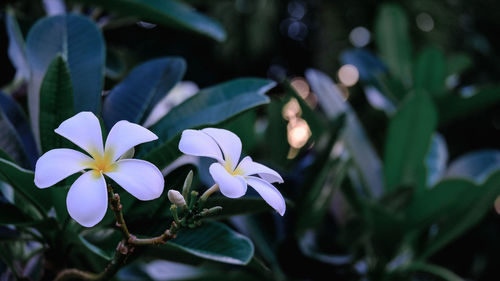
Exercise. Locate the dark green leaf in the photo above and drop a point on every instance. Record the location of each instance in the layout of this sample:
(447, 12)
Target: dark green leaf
(468, 209)
(214, 241)
(208, 107)
(166, 12)
(79, 41)
(430, 71)
(23, 183)
(18, 119)
(408, 139)
(386, 228)
(458, 63)
(453, 107)
(56, 103)
(96, 250)
(393, 40)
(149, 82)
(428, 206)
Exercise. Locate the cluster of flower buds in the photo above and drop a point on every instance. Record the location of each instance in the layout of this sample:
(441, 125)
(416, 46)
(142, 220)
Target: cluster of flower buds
(189, 204)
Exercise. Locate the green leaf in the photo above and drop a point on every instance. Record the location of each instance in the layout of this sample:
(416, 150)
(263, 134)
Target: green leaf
(79, 41)
(56, 103)
(147, 84)
(454, 107)
(213, 241)
(468, 210)
(430, 71)
(23, 183)
(17, 118)
(96, 250)
(429, 206)
(10, 142)
(408, 140)
(393, 40)
(386, 228)
(458, 63)
(170, 13)
(16, 47)
(210, 106)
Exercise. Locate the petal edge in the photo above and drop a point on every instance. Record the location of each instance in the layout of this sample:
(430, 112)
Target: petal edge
(269, 193)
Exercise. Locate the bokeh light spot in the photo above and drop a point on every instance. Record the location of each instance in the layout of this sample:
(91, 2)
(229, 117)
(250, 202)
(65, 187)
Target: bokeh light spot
(425, 22)
(359, 37)
(348, 75)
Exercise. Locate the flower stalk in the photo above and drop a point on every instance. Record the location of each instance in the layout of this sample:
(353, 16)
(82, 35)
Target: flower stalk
(116, 207)
(191, 218)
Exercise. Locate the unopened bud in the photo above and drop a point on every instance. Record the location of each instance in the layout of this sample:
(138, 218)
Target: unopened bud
(211, 211)
(187, 184)
(176, 198)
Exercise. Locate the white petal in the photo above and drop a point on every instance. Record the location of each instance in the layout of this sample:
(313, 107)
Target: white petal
(58, 164)
(83, 130)
(194, 142)
(87, 199)
(125, 135)
(247, 167)
(230, 186)
(139, 178)
(229, 143)
(269, 193)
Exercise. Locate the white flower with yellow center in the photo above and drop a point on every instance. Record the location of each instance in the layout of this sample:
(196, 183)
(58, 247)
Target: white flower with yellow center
(87, 198)
(231, 175)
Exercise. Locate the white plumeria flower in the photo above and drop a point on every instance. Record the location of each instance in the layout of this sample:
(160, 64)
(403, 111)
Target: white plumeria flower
(231, 176)
(87, 198)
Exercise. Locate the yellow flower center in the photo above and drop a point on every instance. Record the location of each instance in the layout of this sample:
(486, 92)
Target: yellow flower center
(103, 163)
(228, 166)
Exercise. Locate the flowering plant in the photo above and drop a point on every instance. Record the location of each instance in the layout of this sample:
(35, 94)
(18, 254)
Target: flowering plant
(112, 167)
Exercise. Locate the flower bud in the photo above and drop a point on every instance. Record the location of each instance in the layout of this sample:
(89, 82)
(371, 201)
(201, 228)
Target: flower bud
(176, 198)
(187, 184)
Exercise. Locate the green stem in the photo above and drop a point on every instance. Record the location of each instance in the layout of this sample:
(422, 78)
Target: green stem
(72, 274)
(169, 234)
